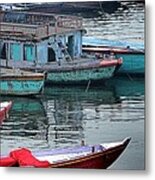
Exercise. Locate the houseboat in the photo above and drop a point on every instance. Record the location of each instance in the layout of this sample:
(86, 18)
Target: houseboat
(53, 44)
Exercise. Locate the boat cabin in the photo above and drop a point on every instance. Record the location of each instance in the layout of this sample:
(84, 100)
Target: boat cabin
(30, 39)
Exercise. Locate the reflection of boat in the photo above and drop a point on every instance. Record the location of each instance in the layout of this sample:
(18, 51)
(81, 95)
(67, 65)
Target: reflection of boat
(126, 86)
(4, 109)
(82, 94)
(133, 60)
(17, 82)
(96, 157)
(27, 114)
(131, 94)
(27, 105)
(65, 121)
(66, 110)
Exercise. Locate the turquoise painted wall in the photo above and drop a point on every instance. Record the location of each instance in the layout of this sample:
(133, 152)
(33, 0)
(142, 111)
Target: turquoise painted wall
(52, 42)
(19, 51)
(42, 52)
(29, 52)
(15, 51)
(24, 51)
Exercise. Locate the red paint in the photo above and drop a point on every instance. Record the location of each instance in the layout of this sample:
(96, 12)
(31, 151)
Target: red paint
(111, 62)
(95, 160)
(4, 111)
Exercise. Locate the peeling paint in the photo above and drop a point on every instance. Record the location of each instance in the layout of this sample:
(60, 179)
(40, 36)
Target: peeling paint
(80, 75)
(16, 87)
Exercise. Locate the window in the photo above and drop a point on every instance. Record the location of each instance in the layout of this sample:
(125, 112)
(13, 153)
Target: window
(29, 52)
(15, 51)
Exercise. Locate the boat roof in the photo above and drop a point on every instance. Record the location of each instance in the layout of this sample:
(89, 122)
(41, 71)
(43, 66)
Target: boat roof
(23, 25)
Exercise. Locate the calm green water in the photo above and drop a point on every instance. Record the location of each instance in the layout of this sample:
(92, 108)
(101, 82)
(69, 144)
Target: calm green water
(65, 116)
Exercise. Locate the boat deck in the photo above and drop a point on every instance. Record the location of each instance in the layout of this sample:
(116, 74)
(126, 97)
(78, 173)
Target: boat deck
(6, 72)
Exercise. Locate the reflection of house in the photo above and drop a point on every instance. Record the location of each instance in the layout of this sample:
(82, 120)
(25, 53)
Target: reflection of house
(33, 38)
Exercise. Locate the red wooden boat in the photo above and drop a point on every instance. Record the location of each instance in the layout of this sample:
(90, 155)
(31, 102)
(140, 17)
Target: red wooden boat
(4, 109)
(95, 157)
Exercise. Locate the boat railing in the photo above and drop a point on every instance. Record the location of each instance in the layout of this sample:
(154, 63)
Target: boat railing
(69, 22)
(17, 29)
(39, 29)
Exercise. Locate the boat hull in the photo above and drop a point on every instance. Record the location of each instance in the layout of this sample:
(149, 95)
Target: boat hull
(82, 74)
(20, 87)
(101, 160)
(21, 83)
(79, 71)
(133, 60)
(132, 64)
(89, 157)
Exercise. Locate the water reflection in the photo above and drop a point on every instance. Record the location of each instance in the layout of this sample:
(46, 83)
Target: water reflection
(64, 121)
(27, 123)
(63, 115)
(65, 108)
(131, 94)
(127, 86)
(69, 108)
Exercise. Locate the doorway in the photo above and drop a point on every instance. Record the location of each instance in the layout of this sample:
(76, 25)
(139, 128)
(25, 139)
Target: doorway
(71, 46)
(51, 55)
(3, 51)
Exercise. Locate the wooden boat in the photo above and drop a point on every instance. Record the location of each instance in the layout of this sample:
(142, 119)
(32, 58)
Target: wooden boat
(133, 60)
(4, 109)
(18, 82)
(83, 71)
(96, 157)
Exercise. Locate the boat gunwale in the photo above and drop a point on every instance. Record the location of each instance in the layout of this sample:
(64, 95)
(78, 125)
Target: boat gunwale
(18, 78)
(93, 155)
(115, 150)
(114, 50)
(78, 67)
